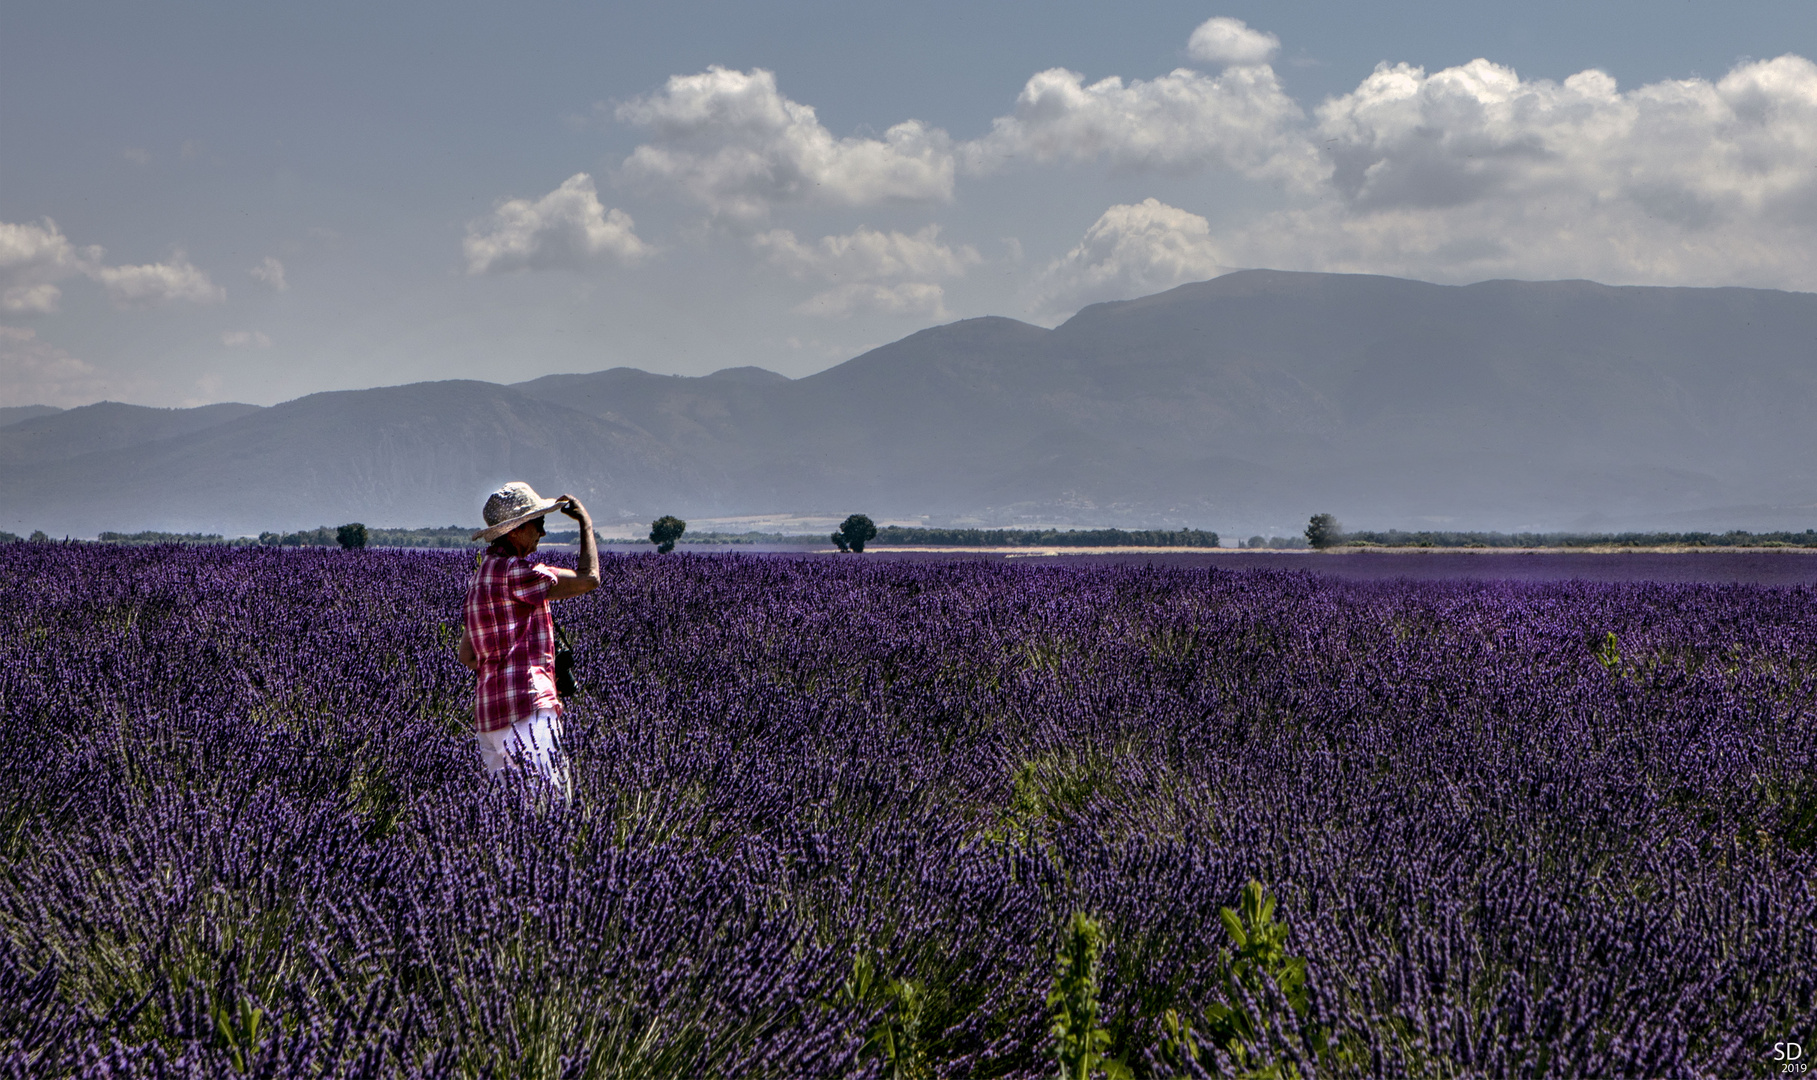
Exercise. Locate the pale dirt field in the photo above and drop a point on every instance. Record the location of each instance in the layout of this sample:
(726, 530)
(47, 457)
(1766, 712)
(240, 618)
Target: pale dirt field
(1777, 567)
(1054, 551)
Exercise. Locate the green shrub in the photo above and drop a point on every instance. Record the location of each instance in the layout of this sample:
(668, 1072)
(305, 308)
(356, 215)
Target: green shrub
(1080, 1041)
(854, 532)
(1323, 531)
(664, 531)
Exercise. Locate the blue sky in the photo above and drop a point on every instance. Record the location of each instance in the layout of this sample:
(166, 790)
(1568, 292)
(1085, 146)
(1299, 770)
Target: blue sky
(210, 201)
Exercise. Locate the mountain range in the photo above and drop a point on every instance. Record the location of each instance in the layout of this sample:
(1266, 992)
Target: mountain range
(1242, 404)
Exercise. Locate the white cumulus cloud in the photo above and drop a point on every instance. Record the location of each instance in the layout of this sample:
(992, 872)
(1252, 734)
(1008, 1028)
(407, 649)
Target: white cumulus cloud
(731, 141)
(568, 227)
(1131, 250)
(1240, 120)
(157, 283)
(1458, 174)
(1685, 150)
(862, 262)
(35, 257)
(245, 339)
(866, 254)
(271, 272)
(920, 299)
(1474, 172)
(38, 297)
(34, 372)
(1225, 40)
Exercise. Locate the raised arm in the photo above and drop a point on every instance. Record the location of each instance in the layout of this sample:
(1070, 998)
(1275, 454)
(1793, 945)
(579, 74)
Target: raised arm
(585, 578)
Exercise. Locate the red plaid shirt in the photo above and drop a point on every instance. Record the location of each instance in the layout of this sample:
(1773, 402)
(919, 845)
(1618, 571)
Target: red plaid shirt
(509, 627)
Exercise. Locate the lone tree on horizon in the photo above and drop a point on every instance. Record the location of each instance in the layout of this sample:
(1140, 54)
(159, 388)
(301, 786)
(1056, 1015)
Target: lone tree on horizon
(1323, 531)
(352, 537)
(664, 531)
(854, 532)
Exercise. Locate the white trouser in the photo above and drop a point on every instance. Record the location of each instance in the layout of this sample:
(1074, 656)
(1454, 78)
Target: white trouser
(536, 742)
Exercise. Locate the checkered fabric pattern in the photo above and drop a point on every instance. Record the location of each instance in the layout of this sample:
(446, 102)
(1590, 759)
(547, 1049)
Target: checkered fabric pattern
(509, 626)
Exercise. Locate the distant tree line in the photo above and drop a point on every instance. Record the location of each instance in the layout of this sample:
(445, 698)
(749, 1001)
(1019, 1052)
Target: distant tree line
(1183, 538)
(353, 536)
(1321, 533)
(1733, 538)
(857, 531)
(151, 537)
(446, 536)
(1324, 531)
(747, 538)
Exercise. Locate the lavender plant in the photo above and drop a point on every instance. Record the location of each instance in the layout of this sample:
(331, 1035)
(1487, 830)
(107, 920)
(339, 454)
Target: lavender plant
(243, 831)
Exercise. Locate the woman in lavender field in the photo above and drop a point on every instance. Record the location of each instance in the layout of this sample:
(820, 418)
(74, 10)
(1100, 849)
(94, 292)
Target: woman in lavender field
(508, 635)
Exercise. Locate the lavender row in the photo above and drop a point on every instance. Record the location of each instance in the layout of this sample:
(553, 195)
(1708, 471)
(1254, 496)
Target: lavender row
(835, 817)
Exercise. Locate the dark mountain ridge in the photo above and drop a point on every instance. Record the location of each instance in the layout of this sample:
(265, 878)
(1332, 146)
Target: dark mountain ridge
(1243, 404)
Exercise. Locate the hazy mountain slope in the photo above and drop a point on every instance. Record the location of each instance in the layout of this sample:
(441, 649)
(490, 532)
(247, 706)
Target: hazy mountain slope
(700, 412)
(1242, 404)
(419, 454)
(920, 421)
(1253, 396)
(1505, 364)
(1502, 397)
(106, 425)
(1390, 399)
(12, 414)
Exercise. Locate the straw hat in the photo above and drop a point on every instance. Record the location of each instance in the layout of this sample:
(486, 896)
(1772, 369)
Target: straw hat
(511, 506)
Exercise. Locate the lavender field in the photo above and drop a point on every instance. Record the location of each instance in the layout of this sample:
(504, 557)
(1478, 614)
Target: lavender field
(848, 817)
